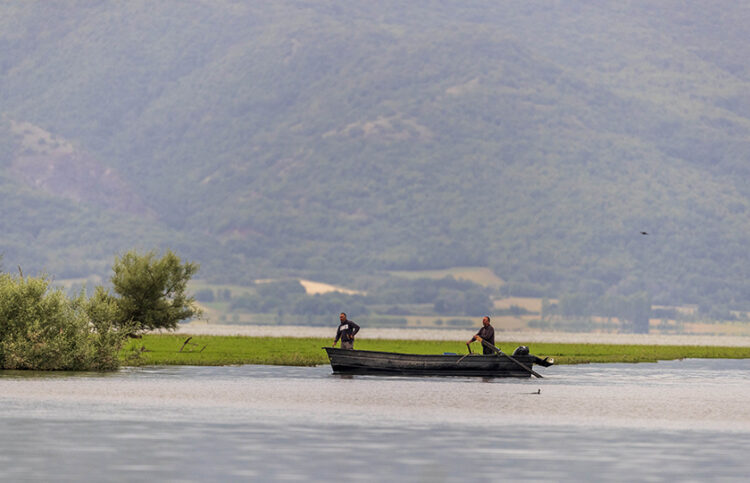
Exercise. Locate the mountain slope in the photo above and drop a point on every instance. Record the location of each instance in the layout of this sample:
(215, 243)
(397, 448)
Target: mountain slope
(536, 139)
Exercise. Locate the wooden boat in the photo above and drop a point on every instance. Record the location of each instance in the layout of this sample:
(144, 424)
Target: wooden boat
(349, 361)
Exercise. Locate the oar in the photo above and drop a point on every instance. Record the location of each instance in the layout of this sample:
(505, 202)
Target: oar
(464, 357)
(501, 353)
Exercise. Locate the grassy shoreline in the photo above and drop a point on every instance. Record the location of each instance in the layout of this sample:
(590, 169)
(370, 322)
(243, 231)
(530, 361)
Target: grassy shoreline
(214, 350)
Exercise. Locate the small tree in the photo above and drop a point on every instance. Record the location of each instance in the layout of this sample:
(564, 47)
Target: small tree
(151, 290)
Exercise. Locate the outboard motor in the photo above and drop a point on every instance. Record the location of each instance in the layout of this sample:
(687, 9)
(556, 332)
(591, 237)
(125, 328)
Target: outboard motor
(521, 350)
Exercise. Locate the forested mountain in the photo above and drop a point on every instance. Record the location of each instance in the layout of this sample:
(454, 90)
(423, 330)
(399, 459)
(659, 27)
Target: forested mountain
(536, 138)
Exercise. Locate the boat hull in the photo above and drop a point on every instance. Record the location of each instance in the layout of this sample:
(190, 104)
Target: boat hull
(348, 361)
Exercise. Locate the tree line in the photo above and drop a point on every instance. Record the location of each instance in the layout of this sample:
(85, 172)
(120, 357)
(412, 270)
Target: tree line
(633, 311)
(446, 296)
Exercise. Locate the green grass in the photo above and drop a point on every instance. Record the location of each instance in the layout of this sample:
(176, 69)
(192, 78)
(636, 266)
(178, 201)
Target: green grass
(226, 350)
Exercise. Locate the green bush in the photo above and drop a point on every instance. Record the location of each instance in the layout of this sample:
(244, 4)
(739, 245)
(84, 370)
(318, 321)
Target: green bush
(151, 291)
(43, 329)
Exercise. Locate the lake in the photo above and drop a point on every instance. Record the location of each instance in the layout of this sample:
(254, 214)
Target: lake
(683, 420)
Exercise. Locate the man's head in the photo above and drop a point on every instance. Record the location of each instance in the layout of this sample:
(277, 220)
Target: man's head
(486, 321)
(342, 317)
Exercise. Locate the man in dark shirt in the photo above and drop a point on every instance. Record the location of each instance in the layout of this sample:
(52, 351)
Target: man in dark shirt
(346, 332)
(486, 333)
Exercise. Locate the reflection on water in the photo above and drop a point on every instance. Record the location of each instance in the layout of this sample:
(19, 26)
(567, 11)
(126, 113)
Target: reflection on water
(681, 420)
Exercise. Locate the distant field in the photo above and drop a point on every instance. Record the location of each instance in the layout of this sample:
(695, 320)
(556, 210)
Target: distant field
(418, 316)
(197, 284)
(529, 303)
(313, 288)
(717, 328)
(479, 275)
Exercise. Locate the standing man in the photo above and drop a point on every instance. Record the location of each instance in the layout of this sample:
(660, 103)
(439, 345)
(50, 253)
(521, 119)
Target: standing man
(346, 332)
(486, 333)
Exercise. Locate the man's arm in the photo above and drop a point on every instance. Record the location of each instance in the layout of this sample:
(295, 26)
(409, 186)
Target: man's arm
(355, 328)
(476, 337)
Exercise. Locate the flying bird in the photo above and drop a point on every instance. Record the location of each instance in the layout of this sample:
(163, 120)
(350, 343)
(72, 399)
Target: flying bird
(644, 233)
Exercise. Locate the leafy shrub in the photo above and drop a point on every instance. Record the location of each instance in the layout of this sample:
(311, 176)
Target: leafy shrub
(42, 329)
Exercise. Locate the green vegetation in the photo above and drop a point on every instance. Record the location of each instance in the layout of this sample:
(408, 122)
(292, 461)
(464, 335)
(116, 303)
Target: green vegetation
(151, 291)
(42, 329)
(172, 349)
(634, 310)
(423, 300)
(386, 303)
(479, 275)
(341, 142)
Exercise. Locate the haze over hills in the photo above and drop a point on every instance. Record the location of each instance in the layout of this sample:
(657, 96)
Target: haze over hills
(313, 137)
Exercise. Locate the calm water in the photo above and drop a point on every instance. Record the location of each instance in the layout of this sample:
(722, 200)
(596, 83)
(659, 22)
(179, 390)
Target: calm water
(683, 420)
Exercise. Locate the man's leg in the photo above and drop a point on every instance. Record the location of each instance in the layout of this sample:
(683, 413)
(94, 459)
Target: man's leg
(347, 344)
